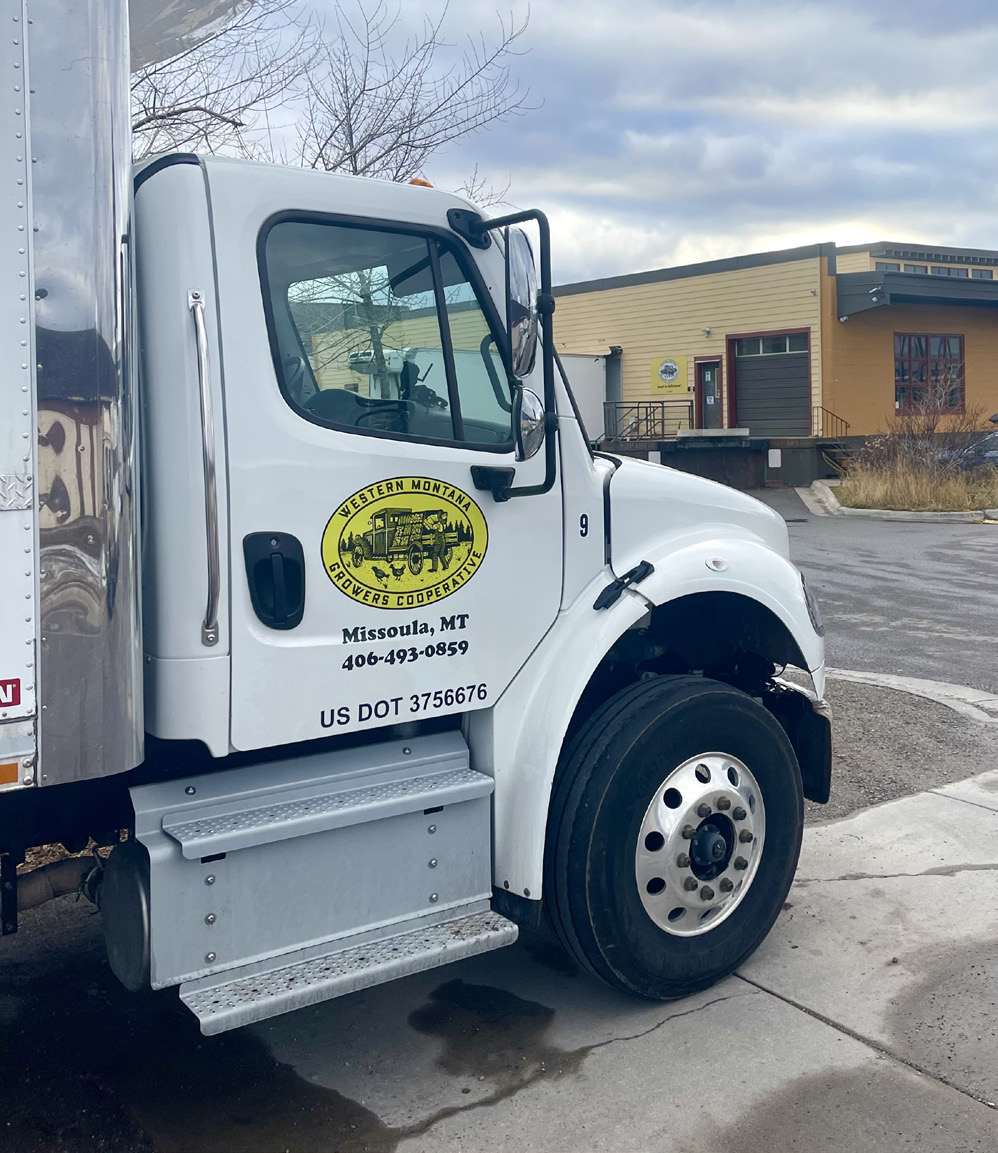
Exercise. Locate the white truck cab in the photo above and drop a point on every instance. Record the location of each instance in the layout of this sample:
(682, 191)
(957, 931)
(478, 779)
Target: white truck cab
(329, 622)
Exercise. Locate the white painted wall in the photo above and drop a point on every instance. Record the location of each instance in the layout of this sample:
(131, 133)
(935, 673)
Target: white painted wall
(587, 376)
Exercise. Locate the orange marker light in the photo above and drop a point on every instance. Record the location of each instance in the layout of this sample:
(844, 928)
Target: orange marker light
(8, 774)
(418, 180)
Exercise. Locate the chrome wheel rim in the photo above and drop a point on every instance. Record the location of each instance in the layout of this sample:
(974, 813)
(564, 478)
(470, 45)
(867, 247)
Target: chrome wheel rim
(706, 824)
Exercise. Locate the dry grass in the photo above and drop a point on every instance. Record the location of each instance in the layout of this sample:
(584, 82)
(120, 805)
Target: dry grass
(919, 490)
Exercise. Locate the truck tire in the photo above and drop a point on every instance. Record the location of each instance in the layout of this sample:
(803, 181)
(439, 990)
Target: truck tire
(415, 560)
(673, 835)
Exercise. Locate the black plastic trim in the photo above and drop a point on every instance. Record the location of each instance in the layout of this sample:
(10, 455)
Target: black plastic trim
(607, 521)
(160, 163)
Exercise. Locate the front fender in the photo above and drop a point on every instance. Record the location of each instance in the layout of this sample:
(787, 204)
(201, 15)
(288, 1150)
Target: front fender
(519, 740)
(743, 566)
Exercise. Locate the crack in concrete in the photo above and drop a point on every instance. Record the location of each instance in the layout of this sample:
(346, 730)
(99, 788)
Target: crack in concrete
(962, 800)
(876, 1046)
(541, 1074)
(939, 871)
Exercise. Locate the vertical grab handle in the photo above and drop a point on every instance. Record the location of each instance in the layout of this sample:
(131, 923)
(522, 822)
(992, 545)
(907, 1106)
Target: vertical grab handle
(209, 627)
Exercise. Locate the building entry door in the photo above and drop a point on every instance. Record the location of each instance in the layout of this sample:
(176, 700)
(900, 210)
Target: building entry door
(708, 389)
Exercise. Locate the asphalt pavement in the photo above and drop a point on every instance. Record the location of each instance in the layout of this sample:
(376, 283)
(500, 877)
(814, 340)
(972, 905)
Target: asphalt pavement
(867, 1020)
(919, 600)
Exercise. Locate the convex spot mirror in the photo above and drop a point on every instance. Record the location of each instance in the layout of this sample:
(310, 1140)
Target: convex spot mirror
(521, 303)
(528, 422)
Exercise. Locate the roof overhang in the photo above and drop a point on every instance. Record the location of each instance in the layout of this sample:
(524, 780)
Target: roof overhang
(861, 291)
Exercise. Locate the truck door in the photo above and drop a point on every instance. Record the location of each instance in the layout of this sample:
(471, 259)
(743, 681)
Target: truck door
(372, 584)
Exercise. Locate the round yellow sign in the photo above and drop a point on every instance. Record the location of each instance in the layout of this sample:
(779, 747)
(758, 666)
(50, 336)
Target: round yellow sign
(404, 542)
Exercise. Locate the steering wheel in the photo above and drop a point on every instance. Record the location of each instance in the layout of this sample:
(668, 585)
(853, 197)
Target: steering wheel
(395, 413)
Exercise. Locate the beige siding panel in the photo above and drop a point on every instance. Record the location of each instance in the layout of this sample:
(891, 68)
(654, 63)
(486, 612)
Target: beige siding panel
(667, 318)
(854, 262)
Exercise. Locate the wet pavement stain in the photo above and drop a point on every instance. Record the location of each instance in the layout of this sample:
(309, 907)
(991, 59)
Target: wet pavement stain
(88, 1067)
(881, 1106)
(493, 1034)
(947, 1023)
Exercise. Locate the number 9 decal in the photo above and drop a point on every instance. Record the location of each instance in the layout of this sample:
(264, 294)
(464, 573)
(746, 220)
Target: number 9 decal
(583, 525)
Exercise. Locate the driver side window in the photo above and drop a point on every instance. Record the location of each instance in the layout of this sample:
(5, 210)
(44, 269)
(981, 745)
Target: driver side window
(382, 333)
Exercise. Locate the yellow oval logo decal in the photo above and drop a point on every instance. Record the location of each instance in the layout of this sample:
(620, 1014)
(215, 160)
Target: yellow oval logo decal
(404, 542)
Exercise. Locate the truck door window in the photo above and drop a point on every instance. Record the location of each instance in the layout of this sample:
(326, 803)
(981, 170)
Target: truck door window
(381, 332)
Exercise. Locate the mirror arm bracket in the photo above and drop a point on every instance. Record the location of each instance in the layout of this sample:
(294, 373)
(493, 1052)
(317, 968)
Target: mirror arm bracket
(469, 226)
(498, 481)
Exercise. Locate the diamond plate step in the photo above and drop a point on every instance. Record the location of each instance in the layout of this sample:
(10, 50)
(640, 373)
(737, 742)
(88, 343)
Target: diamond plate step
(276, 801)
(254, 993)
(316, 809)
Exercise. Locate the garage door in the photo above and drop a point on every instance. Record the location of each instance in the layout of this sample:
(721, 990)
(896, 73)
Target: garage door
(773, 385)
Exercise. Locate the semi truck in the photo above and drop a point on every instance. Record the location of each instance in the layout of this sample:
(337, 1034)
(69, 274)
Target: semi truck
(299, 775)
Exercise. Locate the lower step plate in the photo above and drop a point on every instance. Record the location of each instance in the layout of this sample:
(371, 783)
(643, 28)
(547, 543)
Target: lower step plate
(241, 996)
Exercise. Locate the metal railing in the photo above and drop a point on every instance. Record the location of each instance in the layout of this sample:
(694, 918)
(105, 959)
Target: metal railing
(824, 422)
(646, 419)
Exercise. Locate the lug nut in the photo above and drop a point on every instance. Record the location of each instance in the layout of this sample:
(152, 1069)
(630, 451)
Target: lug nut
(688, 832)
(690, 884)
(726, 885)
(703, 810)
(723, 804)
(706, 893)
(738, 814)
(745, 836)
(683, 861)
(741, 863)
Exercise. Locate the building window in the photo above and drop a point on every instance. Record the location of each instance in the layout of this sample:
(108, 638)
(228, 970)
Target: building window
(982, 274)
(948, 271)
(771, 345)
(928, 372)
(919, 269)
(887, 266)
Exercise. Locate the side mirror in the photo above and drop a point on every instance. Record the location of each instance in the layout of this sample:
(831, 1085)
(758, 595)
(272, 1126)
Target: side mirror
(528, 422)
(521, 302)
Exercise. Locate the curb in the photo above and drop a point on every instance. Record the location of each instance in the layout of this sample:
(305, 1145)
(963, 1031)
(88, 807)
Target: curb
(975, 704)
(822, 492)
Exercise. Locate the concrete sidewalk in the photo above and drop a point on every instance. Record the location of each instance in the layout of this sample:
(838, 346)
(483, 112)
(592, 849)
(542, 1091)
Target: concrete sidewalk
(867, 1020)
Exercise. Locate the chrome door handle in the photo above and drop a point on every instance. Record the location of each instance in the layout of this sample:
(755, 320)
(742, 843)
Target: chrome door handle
(209, 627)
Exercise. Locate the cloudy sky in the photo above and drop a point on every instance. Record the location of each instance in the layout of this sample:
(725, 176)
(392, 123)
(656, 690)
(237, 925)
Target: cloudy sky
(670, 131)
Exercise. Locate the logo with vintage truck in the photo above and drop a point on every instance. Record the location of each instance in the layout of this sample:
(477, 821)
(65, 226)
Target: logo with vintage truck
(404, 542)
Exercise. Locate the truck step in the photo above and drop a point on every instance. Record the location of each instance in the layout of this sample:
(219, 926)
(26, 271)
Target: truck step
(255, 992)
(239, 824)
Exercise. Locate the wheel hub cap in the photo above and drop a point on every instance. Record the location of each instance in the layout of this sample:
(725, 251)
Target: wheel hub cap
(710, 849)
(700, 844)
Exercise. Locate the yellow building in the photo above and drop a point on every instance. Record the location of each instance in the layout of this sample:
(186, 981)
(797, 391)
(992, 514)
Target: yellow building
(814, 341)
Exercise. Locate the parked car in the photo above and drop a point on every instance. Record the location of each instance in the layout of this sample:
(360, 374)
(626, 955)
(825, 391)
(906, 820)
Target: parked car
(976, 455)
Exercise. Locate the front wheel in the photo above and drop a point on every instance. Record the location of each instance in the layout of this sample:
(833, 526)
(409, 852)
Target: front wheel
(673, 837)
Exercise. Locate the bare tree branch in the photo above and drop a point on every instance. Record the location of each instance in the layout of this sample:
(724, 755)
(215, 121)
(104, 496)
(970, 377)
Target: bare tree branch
(210, 95)
(365, 99)
(377, 110)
